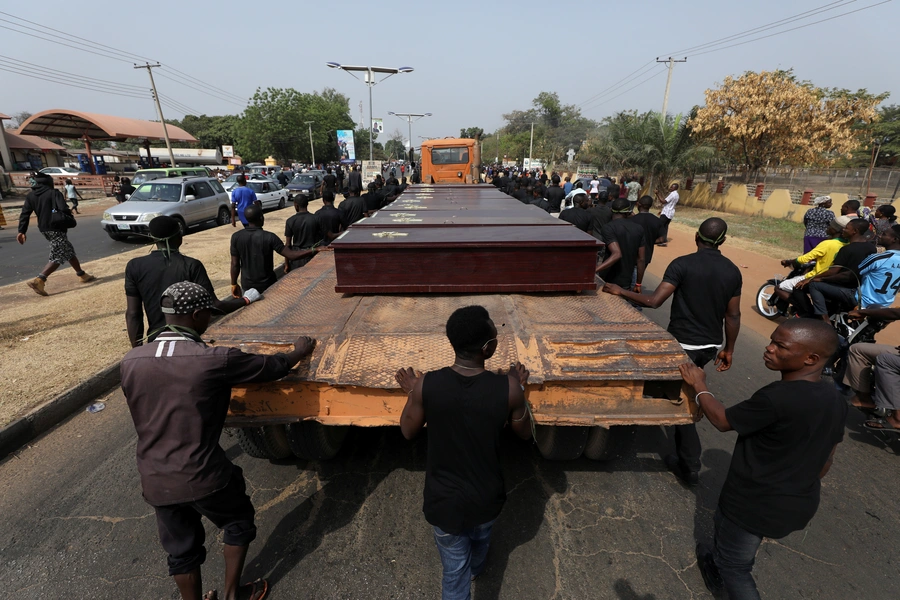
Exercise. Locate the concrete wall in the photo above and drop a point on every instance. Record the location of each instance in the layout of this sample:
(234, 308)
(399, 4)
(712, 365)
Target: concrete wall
(738, 201)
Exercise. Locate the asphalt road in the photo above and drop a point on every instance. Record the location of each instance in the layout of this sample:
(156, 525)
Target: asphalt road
(74, 525)
(22, 262)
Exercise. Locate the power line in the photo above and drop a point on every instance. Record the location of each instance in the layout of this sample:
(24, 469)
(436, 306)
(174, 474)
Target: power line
(767, 26)
(112, 53)
(13, 62)
(179, 106)
(654, 76)
(644, 69)
(201, 91)
(792, 28)
(74, 85)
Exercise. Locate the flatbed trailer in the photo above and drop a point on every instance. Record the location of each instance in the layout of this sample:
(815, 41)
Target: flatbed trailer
(595, 362)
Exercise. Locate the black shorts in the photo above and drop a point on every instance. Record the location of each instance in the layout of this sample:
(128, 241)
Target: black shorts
(181, 531)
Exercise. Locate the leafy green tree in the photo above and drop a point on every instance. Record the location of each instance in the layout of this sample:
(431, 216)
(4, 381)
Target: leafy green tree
(661, 148)
(274, 123)
(471, 132)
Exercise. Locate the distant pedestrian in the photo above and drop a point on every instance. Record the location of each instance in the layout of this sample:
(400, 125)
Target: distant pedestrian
(667, 214)
(354, 181)
(242, 198)
(788, 432)
(578, 214)
(567, 186)
(178, 390)
(817, 220)
(651, 223)
(45, 201)
(251, 254)
(73, 195)
(466, 408)
(625, 261)
(634, 190)
(555, 194)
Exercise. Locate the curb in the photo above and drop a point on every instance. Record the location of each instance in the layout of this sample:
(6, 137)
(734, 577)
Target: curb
(53, 412)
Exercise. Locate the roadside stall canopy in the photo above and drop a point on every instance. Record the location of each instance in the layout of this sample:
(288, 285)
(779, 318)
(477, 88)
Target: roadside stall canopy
(89, 127)
(30, 142)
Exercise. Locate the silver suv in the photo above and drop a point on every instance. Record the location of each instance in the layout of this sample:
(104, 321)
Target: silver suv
(191, 200)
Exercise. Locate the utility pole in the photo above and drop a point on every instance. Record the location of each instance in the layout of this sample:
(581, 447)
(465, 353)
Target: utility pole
(671, 62)
(159, 111)
(312, 150)
(531, 145)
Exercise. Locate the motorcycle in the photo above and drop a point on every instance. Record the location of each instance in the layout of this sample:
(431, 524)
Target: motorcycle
(770, 305)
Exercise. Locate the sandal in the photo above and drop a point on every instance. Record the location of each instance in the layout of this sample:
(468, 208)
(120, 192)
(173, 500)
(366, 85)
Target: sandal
(255, 590)
(881, 425)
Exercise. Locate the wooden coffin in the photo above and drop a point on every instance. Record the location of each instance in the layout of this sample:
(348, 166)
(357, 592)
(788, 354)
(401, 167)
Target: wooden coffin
(487, 259)
(410, 203)
(527, 216)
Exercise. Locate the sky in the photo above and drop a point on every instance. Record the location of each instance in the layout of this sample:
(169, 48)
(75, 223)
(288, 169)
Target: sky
(473, 61)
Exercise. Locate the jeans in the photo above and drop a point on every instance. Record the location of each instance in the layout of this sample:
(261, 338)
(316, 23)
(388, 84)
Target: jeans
(819, 292)
(734, 554)
(462, 557)
(687, 441)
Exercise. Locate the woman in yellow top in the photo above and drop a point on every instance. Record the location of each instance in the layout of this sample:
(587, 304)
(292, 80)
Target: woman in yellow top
(823, 254)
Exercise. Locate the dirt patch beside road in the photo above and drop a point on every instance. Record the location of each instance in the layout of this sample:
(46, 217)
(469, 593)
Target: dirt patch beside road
(48, 345)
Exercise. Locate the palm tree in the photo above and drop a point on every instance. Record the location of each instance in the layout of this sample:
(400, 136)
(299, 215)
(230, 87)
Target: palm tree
(660, 148)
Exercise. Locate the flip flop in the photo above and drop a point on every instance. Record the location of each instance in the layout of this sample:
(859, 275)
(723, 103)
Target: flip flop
(881, 425)
(255, 590)
(211, 595)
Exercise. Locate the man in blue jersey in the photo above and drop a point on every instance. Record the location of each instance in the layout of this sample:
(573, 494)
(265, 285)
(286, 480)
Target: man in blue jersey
(881, 272)
(242, 198)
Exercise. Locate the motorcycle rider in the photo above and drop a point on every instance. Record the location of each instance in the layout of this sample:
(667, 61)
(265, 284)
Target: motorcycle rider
(823, 255)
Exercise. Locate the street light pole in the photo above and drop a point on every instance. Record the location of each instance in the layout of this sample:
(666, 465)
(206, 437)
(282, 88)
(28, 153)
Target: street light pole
(370, 82)
(312, 149)
(531, 146)
(410, 118)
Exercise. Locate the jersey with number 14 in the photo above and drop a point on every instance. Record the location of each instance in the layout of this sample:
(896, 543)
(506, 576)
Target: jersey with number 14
(880, 279)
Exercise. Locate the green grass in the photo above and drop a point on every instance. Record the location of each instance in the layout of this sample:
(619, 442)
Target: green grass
(761, 230)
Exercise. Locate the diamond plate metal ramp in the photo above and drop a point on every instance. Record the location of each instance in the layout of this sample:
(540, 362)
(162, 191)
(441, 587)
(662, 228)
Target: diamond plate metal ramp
(363, 340)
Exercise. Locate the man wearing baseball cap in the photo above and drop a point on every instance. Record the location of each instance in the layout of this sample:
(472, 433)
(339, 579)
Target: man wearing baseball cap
(178, 390)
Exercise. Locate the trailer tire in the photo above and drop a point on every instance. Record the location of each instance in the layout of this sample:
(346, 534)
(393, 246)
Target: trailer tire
(600, 444)
(310, 440)
(276, 440)
(251, 441)
(558, 442)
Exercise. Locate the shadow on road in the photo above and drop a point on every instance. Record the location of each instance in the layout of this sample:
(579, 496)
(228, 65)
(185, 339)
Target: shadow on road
(624, 591)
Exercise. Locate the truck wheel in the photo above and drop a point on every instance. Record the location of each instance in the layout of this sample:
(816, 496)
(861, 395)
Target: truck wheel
(224, 217)
(251, 441)
(600, 444)
(276, 440)
(559, 442)
(310, 440)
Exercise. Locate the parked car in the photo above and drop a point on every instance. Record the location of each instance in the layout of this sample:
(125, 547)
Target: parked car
(60, 171)
(268, 191)
(231, 181)
(192, 200)
(306, 184)
(145, 175)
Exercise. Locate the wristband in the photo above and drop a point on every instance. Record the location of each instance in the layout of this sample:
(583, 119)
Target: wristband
(697, 397)
(637, 287)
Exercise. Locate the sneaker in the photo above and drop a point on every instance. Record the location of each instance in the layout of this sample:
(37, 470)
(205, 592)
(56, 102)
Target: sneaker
(691, 478)
(708, 570)
(37, 284)
(86, 278)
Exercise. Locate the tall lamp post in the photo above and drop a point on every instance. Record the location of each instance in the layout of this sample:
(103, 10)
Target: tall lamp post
(410, 119)
(370, 82)
(312, 150)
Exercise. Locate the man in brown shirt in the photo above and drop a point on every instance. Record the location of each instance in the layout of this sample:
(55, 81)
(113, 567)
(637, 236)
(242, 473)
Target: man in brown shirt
(178, 390)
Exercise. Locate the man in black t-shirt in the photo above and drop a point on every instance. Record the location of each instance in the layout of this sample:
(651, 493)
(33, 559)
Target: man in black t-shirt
(601, 214)
(251, 254)
(329, 183)
(707, 293)
(354, 208)
(354, 181)
(537, 200)
(840, 282)
(624, 262)
(554, 194)
(466, 408)
(652, 226)
(147, 277)
(333, 221)
(302, 231)
(788, 432)
(578, 214)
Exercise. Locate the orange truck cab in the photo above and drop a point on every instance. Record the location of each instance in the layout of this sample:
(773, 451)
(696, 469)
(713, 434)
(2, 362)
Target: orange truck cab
(451, 160)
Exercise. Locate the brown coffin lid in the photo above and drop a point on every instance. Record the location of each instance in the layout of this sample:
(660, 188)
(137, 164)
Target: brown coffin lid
(460, 218)
(512, 236)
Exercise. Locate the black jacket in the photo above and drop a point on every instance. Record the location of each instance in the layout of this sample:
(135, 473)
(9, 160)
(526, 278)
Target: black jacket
(40, 201)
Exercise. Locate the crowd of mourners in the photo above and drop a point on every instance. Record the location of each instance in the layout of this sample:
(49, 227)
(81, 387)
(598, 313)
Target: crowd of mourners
(788, 430)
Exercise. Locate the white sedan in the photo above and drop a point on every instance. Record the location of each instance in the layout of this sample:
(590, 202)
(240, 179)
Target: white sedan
(268, 191)
(60, 171)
